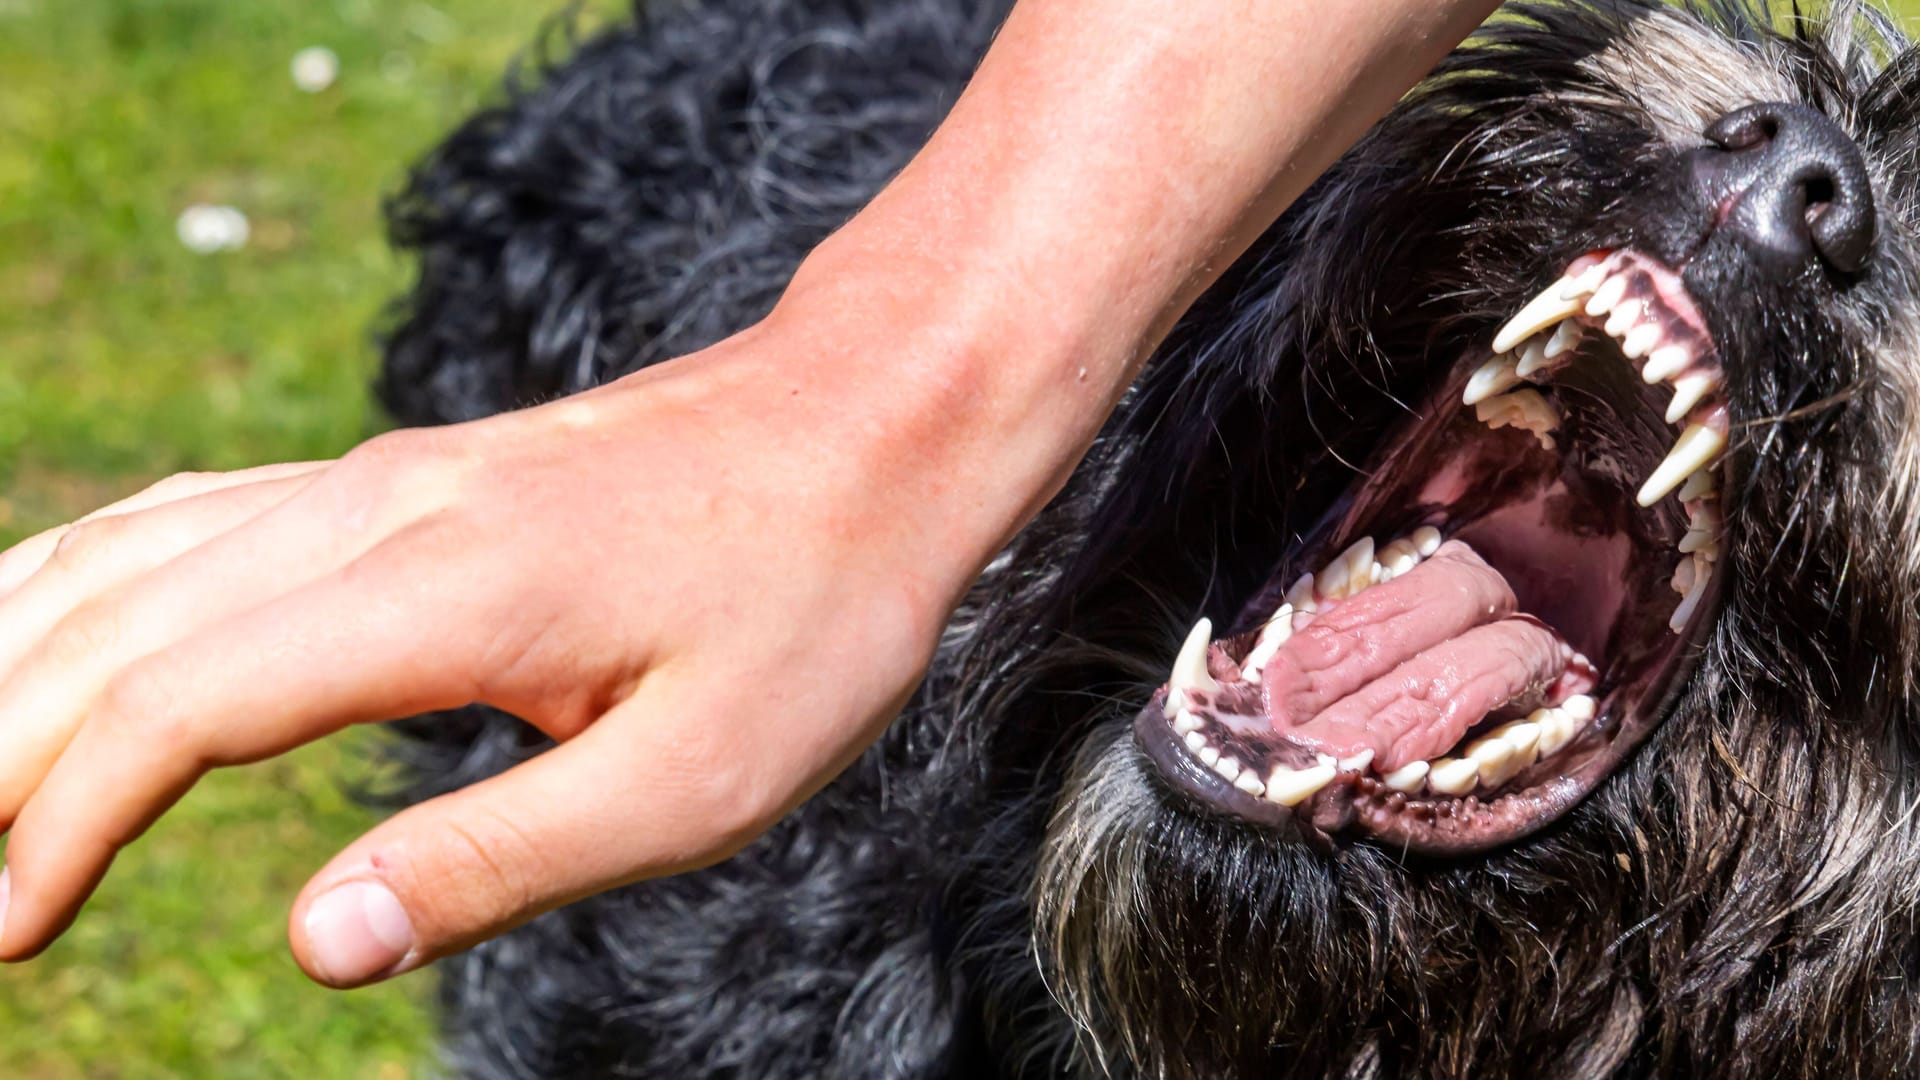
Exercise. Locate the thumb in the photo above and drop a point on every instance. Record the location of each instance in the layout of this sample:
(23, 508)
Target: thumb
(631, 797)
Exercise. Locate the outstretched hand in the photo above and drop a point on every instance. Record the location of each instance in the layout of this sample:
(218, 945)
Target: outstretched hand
(706, 581)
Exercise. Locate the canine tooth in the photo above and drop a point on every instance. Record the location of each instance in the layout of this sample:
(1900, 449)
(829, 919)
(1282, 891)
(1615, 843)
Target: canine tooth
(1209, 755)
(1565, 337)
(1300, 594)
(1622, 318)
(1276, 633)
(1250, 784)
(1607, 295)
(1696, 446)
(1698, 486)
(1407, 778)
(1641, 342)
(1495, 376)
(1687, 390)
(1551, 306)
(1453, 776)
(1426, 540)
(1185, 722)
(1190, 667)
(1357, 762)
(1195, 741)
(1291, 787)
(1580, 706)
(1228, 767)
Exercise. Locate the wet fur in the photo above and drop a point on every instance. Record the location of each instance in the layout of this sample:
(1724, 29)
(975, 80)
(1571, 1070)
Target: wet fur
(1000, 887)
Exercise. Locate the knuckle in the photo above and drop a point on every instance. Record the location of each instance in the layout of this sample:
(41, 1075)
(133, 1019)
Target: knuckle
(83, 636)
(87, 543)
(414, 468)
(179, 485)
(137, 700)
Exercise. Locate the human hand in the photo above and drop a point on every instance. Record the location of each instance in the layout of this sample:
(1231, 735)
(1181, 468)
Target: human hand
(712, 582)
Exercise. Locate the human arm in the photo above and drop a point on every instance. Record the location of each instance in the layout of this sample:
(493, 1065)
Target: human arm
(926, 383)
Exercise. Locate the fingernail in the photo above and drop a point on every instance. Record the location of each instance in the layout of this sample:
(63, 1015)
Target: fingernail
(358, 931)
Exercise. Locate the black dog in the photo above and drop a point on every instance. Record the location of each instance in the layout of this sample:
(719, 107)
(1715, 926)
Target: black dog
(1493, 769)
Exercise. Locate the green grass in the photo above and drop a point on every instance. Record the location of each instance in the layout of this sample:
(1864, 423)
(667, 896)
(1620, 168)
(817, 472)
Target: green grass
(124, 357)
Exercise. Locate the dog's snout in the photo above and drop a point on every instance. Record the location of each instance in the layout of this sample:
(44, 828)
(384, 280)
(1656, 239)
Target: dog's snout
(1792, 183)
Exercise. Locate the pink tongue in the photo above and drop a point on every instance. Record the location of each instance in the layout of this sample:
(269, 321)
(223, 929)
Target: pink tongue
(1406, 667)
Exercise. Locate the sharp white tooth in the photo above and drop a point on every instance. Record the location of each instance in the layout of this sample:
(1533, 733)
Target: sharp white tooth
(1550, 307)
(1407, 778)
(1426, 540)
(1228, 767)
(1662, 363)
(1695, 447)
(1494, 376)
(1533, 355)
(1291, 787)
(1580, 706)
(1642, 341)
(1190, 667)
(1209, 755)
(1490, 753)
(1565, 337)
(1331, 582)
(1698, 486)
(1703, 528)
(1607, 295)
(1522, 735)
(1324, 759)
(1280, 622)
(1357, 762)
(1359, 560)
(1687, 392)
(1250, 784)
(1195, 741)
(1584, 284)
(1300, 594)
(1184, 722)
(1685, 610)
(1622, 317)
(1453, 776)
(1275, 634)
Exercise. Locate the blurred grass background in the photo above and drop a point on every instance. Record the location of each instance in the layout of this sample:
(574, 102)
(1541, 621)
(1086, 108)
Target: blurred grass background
(123, 357)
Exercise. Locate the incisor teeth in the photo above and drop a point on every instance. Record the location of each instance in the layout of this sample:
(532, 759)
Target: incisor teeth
(1642, 341)
(1622, 318)
(1495, 376)
(1190, 667)
(1195, 741)
(1407, 778)
(1291, 787)
(1664, 362)
(1250, 784)
(1544, 310)
(1607, 295)
(1453, 776)
(1695, 447)
(1228, 767)
(1210, 755)
(1687, 392)
(1357, 762)
(1184, 722)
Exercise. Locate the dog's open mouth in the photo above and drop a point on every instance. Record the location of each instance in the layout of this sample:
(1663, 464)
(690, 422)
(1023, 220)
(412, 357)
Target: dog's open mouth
(1498, 614)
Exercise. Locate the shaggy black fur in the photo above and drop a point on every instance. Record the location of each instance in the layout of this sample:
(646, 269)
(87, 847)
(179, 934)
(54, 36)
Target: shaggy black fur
(1001, 886)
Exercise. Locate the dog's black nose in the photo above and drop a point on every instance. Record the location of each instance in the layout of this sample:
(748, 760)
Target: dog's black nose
(1793, 183)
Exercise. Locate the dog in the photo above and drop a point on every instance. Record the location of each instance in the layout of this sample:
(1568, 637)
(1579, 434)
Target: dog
(1484, 641)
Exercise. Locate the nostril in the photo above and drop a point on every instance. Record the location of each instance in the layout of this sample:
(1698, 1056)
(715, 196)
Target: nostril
(1793, 183)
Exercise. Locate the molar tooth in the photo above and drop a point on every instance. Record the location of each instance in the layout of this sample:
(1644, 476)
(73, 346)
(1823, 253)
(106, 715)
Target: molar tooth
(1664, 362)
(1703, 527)
(1291, 787)
(1682, 580)
(1331, 582)
(1495, 376)
(1533, 355)
(1640, 342)
(1357, 762)
(1580, 706)
(1607, 295)
(1522, 735)
(1190, 667)
(1209, 755)
(1565, 337)
(1557, 727)
(1695, 447)
(1687, 606)
(1195, 741)
(1250, 784)
(1407, 778)
(1228, 767)
(1489, 751)
(1184, 722)
(1426, 540)
(1698, 486)
(1551, 306)
(1622, 317)
(1687, 391)
(1453, 776)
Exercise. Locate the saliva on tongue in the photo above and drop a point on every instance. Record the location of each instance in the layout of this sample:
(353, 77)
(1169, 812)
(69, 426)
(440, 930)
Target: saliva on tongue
(1407, 667)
